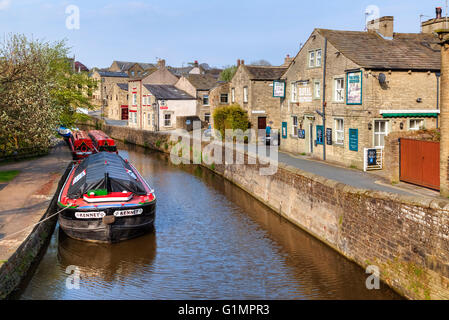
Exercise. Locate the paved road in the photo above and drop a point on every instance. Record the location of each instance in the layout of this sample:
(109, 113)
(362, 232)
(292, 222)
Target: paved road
(350, 177)
(97, 114)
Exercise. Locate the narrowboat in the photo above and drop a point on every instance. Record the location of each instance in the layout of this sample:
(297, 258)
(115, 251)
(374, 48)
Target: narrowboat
(105, 199)
(81, 145)
(64, 132)
(102, 142)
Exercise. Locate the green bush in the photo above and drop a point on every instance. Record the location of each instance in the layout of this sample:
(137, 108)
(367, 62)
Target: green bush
(230, 117)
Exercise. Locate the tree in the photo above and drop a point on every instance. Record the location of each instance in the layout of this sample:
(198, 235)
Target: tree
(261, 62)
(230, 117)
(38, 91)
(228, 73)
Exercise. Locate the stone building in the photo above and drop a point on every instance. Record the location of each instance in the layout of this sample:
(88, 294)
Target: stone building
(218, 97)
(198, 86)
(133, 69)
(102, 96)
(369, 84)
(118, 106)
(161, 75)
(156, 107)
(252, 88)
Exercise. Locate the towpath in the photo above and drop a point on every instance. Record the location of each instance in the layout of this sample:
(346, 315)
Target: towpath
(25, 199)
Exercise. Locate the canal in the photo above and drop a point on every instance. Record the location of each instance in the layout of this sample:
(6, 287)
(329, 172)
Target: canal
(211, 241)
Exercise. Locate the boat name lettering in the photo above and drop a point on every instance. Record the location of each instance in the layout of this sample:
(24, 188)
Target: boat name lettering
(90, 215)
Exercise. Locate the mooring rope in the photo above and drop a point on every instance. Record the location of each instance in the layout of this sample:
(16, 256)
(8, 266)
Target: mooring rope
(34, 225)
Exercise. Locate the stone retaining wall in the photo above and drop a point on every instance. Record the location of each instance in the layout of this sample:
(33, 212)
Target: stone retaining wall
(406, 237)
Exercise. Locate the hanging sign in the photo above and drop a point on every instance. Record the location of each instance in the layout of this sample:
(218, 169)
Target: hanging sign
(372, 157)
(354, 88)
(301, 133)
(329, 136)
(278, 89)
(354, 140)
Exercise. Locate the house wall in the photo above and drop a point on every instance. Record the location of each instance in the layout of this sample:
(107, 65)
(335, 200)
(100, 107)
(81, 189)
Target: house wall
(105, 90)
(214, 99)
(161, 76)
(119, 99)
(177, 108)
(401, 92)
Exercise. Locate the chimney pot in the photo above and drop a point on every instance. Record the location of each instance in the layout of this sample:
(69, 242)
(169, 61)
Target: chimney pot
(439, 12)
(238, 62)
(161, 63)
(243, 62)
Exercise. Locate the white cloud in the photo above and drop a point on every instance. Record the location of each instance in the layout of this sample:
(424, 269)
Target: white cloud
(4, 4)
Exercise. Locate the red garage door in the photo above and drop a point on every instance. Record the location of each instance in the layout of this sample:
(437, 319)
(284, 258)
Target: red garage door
(420, 163)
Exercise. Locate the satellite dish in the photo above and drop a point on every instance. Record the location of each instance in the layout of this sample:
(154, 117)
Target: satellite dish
(382, 78)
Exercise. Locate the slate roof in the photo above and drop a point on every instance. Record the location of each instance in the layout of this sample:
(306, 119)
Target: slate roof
(265, 73)
(168, 92)
(123, 86)
(126, 65)
(179, 72)
(113, 74)
(406, 51)
(202, 81)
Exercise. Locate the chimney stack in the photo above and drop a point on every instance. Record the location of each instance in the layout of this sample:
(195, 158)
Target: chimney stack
(243, 62)
(161, 63)
(196, 63)
(238, 62)
(287, 61)
(383, 26)
(439, 12)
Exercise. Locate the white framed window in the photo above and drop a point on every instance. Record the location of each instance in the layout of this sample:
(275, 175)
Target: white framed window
(167, 119)
(312, 59)
(134, 99)
(205, 100)
(318, 58)
(207, 117)
(339, 131)
(416, 124)
(294, 90)
(339, 87)
(380, 132)
(245, 94)
(317, 89)
(295, 125)
(233, 95)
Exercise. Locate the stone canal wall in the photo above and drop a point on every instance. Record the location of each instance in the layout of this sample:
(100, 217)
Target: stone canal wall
(407, 238)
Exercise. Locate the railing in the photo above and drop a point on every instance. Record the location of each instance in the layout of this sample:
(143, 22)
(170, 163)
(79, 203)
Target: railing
(22, 153)
(373, 158)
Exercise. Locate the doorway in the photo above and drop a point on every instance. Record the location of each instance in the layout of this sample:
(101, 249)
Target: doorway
(125, 114)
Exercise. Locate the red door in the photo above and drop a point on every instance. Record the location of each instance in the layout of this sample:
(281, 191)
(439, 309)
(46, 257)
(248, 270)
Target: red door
(420, 163)
(125, 115)
(262, 123)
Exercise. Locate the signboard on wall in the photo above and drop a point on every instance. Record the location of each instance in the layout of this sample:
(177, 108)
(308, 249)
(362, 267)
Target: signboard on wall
(278, 89)
(372, 157)
(319, 135)
(304, 93)
(354, 140)
(329, 136)
(354, 88)
(301, 133)
(284, 130)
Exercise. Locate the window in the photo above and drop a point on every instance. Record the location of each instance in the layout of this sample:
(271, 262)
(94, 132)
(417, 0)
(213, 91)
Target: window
(318, 58)
(134, 99)
(416, 124)
(152, 119)
(339, 90)
(149, 119)
(245, 95)
(132, 73)
(312, 59)
(294, 89)
(224, 98)
(339, 131)
(380, 132)
(317, 89)
(116, 97)
(295, 125)
(206, 100)
(207, 117)
(233, 95)
(167, 120)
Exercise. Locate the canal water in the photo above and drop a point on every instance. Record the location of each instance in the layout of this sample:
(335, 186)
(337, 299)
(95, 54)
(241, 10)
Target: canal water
(211, 241)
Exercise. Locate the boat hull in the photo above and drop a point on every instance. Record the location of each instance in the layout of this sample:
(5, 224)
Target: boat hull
(110, 229)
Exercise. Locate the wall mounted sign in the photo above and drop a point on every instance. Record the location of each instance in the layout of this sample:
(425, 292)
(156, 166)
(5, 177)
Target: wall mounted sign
(278, 89)
(164, 108)
(284, 130)
(329, 136)
(372, 157)
(354, 140)
(301, 133)
(354, 88)
(319, 135)
(258, 112)
(188, 122)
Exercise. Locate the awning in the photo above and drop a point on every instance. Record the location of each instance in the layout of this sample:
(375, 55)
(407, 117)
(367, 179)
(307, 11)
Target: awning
(410, 113)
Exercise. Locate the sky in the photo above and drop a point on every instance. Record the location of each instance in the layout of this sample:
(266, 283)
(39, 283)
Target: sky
(216, 32)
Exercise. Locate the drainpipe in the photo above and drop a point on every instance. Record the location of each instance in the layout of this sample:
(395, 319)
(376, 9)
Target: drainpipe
(324, 100)
(438, 74)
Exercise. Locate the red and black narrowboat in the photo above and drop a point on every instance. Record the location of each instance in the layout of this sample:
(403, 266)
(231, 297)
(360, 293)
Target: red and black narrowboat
(81, 145)
(102, 142)
(106, 200)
